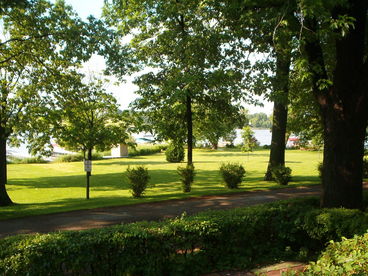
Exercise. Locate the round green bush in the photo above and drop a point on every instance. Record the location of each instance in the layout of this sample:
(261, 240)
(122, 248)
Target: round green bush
(175, 152)
(232, 174)
(281, 174)
(138, 180)
(187, 176)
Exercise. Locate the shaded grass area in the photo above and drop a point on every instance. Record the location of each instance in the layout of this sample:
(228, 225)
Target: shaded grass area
(59, 187)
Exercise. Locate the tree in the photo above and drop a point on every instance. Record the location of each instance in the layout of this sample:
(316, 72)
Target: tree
(88, 118)
(40, 42)
(260, 120)
(181, 40)
(217, 121)
(334, 44)
(303, 117)
(332, 41)
(249, 141)
(268, 28)
(230, 138)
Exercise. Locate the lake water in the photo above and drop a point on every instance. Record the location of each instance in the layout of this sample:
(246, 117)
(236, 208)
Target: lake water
(263, 136)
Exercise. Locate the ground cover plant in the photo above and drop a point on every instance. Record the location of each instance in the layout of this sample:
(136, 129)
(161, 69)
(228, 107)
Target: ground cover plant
(241, 238)
(58, 187)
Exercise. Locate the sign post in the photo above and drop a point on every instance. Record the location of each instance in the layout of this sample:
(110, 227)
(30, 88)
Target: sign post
(87, 169)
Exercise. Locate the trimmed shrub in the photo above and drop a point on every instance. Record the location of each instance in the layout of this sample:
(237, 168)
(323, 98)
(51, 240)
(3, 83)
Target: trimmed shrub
(232, 174)
(175, 152)
(281, 174)
(190, 245)
(138, 179)
(186, 177)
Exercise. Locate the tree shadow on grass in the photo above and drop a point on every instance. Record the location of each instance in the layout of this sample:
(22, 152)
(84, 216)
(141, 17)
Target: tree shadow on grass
(131, 162)
(167, 186)
(232, 154)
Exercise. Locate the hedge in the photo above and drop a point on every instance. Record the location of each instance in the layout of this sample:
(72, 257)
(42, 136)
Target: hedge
(190, 245)
(146, 150)
(77, 157)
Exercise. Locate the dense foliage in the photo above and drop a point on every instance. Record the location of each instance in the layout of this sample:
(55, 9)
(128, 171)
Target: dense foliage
(215, 240)
(26, 160)
(348, 257)
(232, 174)
(186, 174)
(146, 149)
(365, 168)
(249, 141)
(138, 179)
(260, 120)
(281, 174)
(175, 152)
(40, 44)
(77, 157)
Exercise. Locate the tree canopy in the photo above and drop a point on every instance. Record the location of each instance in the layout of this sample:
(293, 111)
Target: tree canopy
(185, 47)
(41, 42)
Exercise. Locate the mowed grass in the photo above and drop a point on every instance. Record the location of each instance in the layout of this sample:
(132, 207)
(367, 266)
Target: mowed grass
(59, 187)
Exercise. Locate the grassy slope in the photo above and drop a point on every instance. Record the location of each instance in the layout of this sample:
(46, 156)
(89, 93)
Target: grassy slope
(58, 187)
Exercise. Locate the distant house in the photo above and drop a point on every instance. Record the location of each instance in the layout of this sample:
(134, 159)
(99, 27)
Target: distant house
(120, 151)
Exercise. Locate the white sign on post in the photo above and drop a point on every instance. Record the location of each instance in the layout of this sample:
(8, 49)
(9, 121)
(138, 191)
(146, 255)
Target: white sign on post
(87, 165)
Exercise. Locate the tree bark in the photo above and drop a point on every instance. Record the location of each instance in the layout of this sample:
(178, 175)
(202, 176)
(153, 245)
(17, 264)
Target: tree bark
(281, 89)
(88, 174)
(189, 117)
(4, 197)
(343, 162)
(214, 145)
(344, 109)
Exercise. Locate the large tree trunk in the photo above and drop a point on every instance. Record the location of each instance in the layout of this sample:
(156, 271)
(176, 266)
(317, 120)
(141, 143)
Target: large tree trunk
(344, 109)
(343, 161)
(4, 197)
(281, 91)
(189, 117)
(214, 145)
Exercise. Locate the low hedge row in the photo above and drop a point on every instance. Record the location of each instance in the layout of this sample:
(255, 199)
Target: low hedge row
(190, 245)
(77, 157)
(25, 160)
(146, 150)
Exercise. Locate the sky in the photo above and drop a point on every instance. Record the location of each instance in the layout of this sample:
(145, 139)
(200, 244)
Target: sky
(124, 93)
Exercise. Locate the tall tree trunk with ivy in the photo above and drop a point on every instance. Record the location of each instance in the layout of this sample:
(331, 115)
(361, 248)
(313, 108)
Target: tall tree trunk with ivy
(189, 117)
(280, 96)
(343, 101)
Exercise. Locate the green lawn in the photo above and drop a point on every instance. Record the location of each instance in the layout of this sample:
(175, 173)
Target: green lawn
(57, 187)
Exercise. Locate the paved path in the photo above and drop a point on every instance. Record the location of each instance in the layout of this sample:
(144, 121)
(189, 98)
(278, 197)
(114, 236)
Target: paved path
(95, 218)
